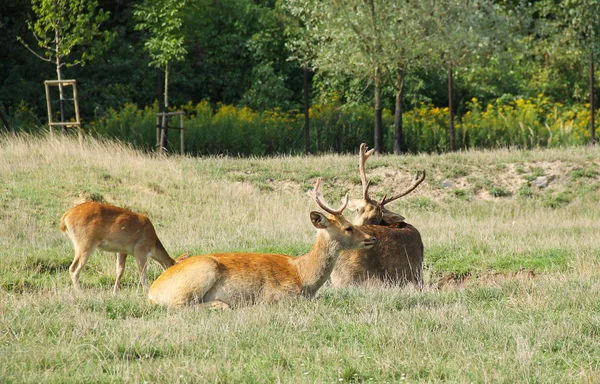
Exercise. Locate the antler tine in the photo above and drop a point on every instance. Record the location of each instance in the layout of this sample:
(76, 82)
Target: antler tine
(318, 197)
(364, 155)
(415, 184)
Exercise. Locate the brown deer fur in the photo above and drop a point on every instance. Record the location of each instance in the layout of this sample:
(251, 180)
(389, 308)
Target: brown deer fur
(396, 258)
(225, 279)
(398, 255)
(108, 228)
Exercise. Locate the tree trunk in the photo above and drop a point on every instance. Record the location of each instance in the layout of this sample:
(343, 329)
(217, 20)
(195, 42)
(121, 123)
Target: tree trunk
(306, 110)
(398, 133)
(61, 91)
(164, 123)
(450, 107)
(592, 109)
(378, 113)
(160, 91)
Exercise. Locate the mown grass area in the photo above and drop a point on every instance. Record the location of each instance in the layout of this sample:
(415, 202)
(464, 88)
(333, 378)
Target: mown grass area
(513, 281)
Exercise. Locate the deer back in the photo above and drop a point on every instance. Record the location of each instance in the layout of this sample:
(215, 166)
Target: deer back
(112, 229)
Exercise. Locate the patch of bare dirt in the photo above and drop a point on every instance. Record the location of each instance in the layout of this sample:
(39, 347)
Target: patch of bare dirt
(452, 281)
(150, 189)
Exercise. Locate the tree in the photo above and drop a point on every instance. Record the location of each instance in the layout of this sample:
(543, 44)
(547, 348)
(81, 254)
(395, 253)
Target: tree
(302, 39)
(574, 24)
(271, 71)
(407, 28)
(61, 27)
(351, 42)
(467, 30)
(163, 20)
(377, 41)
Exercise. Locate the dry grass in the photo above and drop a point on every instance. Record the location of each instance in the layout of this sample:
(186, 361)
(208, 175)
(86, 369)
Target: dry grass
(529, 262)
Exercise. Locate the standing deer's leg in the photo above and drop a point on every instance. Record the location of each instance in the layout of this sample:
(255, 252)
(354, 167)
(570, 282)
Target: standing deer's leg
(141, 259)
(121, 258)
(82, 254)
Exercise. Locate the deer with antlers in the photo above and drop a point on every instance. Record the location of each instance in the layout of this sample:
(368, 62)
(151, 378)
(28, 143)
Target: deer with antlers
(93, 225)
(398, 255)
(223, 280)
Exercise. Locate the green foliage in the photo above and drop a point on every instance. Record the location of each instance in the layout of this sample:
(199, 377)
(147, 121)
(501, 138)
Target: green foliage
(23, 119)
(63, 25)
(525, 191)
(575, 23)
(241, 131)
(130, 124)
(268, 90)
(557, 200)
(163, 20)
(523, 123)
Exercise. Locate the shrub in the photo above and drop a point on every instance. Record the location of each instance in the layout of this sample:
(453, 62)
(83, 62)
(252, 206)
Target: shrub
(227, 129)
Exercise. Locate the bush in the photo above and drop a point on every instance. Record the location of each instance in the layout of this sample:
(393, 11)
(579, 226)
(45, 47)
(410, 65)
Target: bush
(227, 129)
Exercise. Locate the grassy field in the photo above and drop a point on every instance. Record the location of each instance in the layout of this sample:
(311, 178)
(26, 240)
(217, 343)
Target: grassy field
(512, 270)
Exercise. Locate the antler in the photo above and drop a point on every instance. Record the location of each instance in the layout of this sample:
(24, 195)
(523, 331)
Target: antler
(364, 155)
(416, 181)
(318, 197)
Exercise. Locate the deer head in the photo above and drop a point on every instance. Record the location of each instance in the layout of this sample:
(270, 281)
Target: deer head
(369, 211)
(338, 228)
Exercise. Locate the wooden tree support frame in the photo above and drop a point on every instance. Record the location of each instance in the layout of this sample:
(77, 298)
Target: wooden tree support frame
(77, 122)
(162, 125)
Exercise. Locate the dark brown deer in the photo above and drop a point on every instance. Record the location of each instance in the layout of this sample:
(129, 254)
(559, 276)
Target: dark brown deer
(398, 255)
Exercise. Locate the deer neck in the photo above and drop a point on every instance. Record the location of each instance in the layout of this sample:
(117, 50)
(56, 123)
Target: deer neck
(315, 267)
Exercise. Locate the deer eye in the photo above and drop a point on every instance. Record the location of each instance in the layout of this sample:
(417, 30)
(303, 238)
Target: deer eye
(349, 229)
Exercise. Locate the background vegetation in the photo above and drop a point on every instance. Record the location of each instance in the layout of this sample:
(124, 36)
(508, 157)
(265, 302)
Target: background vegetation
(257, 54)
(512, 270)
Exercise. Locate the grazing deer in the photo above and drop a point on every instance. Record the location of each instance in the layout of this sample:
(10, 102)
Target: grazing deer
(398, 255)
(224, 279)
(108, 228)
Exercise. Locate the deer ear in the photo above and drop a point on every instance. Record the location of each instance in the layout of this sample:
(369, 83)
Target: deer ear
(319, 220)
(391, 217)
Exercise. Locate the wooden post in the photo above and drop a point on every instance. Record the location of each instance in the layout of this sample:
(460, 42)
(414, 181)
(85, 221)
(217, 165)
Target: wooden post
(181, 132)
(157, 129)
(163, 130)
(64, 125)
(162, 123)
(49, 108)
(79, 132)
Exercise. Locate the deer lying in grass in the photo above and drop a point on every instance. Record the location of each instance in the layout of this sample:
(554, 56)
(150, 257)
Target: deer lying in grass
(398, 255)
(108, 228)
(224, 279)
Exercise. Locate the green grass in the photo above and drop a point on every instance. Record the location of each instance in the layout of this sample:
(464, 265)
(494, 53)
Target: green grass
(526, 262)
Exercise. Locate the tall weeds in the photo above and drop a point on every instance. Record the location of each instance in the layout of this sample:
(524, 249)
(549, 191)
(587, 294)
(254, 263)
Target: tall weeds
(226, 129)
